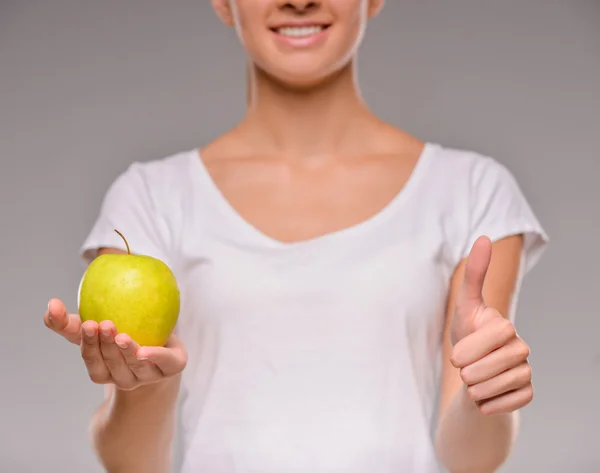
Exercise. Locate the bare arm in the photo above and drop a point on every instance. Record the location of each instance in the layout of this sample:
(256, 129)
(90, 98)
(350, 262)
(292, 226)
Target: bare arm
(133, 429)
(475, 437)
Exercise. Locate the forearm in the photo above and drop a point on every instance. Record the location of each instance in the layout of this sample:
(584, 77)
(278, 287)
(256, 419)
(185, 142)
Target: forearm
(133, 431)
(469, 442)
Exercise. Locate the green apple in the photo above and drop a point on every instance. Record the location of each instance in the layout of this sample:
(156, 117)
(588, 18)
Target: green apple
(138, 293)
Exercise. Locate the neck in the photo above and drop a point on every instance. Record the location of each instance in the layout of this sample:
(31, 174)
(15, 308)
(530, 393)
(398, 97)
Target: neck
(305, 123)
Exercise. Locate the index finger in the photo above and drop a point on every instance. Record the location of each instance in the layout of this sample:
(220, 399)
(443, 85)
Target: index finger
(60, 321)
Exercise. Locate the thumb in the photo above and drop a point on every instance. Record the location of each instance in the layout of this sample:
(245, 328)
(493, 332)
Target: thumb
(60, 321)
(470, 297)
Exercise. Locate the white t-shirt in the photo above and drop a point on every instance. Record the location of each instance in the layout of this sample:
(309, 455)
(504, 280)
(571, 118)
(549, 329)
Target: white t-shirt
(321, 356)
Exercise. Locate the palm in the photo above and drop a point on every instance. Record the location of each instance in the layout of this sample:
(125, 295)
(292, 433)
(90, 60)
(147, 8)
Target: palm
(112, 357)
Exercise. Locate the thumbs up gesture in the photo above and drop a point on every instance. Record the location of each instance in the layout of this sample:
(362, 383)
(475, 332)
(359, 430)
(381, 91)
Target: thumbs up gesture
(491, 357)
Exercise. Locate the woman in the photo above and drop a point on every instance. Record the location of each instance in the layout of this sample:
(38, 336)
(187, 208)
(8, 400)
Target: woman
(334, 315)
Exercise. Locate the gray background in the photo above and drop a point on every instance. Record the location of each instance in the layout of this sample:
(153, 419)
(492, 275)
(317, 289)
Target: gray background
(88, 86)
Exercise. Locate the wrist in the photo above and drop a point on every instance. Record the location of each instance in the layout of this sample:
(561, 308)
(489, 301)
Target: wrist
(146, 392)
(468, 441)
(144, 387)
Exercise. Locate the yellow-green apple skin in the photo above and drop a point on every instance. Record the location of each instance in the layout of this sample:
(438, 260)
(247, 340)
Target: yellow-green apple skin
(138, 293)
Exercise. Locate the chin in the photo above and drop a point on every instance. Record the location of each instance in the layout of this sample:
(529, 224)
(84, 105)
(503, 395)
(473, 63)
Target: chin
(301, 77)
(301, 81)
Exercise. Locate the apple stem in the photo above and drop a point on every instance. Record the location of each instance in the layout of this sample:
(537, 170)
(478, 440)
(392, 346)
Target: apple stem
(125, 240)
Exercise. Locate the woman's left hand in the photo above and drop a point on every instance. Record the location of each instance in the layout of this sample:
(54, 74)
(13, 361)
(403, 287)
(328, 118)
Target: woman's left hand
(492, 358)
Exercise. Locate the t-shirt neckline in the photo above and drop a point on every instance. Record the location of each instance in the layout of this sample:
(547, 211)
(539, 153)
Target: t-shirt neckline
(246, 228)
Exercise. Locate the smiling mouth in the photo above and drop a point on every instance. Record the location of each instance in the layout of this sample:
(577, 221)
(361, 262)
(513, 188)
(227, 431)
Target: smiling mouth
(300, 31)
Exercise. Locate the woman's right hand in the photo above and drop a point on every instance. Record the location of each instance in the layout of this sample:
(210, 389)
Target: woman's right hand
(114, 358)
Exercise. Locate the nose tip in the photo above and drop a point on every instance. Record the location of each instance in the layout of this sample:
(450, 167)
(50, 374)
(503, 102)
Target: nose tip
(299, 5)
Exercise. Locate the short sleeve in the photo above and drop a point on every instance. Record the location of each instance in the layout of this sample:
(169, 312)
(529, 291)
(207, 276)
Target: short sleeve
(498, 209)
(130, 207)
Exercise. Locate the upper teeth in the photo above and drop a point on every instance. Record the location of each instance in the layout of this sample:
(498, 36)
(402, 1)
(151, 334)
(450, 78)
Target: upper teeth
(300, 31)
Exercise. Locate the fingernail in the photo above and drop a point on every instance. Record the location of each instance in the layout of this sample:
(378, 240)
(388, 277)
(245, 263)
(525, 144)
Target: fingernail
(106, 334)
(88, 331)
(142, 357)
(121, 343)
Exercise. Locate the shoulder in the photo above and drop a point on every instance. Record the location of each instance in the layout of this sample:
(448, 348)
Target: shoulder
(465, 178)
(144, 203)
(162, 173)
(156, 182)
(151, 189)
(466, 166)
(479, 196)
